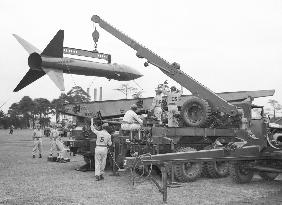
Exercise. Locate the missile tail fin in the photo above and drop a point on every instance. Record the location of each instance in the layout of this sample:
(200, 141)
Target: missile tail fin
(30, 77)
(56, 76)
(55, 47)
(27, 46)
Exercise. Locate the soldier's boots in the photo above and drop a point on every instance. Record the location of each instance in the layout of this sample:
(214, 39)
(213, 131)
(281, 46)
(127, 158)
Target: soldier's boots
(62, 160)
(40, 156)
(99, 178)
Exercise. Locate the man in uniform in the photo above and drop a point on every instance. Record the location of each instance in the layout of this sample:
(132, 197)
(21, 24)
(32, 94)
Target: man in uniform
(53, 136)
(11, 129)
(245, 124)
(157, 105)
(37, 141)
(173, 97)
(62, 150)
(131, 121)
(103, 140)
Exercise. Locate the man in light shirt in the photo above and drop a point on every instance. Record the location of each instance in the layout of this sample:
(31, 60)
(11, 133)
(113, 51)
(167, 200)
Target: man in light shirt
(131, 121)
(245, 124)
(102, 142)
(37, 141)
(157, 105)
(173, 97)
(62, 150)
(53, 136)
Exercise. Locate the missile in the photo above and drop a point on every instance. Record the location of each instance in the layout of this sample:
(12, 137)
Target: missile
(52, 63)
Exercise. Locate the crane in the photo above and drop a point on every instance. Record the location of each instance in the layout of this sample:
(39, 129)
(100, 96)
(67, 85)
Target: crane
(207, 100)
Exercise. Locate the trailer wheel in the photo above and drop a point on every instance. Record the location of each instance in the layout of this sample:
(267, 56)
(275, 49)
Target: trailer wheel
(268, 176)
(187, 171)
(240, 172)
(196, 112)
(217, 169)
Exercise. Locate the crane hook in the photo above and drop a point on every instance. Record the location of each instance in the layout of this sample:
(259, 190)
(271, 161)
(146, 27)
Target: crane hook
(95, 36)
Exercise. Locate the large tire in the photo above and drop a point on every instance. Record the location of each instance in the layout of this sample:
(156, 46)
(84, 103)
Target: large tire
(187, 171)
(240, 172)
(205, 172)
(215, 169)
(196, 112)
(268, 176)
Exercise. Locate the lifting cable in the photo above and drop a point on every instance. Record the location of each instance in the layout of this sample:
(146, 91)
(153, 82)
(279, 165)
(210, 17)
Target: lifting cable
(68, 69)
(4, 103)
(135, 167)
(138, 85)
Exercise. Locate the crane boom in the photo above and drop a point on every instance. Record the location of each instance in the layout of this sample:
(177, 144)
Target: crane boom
(171, 70)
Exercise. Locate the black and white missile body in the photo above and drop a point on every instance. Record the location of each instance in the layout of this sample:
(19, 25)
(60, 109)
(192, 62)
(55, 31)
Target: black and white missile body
(52, 63)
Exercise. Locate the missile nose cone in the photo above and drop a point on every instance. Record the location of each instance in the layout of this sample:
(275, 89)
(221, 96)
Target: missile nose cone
(131, 72)
(138, 74)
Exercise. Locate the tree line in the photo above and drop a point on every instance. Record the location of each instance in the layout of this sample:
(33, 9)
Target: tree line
(27, 111)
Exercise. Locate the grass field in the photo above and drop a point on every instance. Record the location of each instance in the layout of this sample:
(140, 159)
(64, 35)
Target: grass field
(24, 180)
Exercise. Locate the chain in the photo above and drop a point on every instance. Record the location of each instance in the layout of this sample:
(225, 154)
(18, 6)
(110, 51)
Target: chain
(114, 160)
(133, 178)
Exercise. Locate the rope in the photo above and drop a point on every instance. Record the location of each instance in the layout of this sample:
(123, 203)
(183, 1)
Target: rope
(91, 83)
(5, 102)
(138, 85)
(9, 98)
(68, 69)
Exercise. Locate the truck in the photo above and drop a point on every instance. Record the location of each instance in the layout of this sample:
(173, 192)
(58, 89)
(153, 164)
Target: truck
(253, 147)
(162, 138)
(216, 117)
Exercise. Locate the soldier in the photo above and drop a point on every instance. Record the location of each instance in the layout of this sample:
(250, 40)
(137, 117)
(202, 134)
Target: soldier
(245, 124)
(173, 97)
(53, 136)
(131, 121)
(62, 158)
(103, 140)
(157, 105)
(11, 129)
(37, 141)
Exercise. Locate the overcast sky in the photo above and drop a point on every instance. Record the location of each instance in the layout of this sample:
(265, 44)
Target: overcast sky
(225, 45)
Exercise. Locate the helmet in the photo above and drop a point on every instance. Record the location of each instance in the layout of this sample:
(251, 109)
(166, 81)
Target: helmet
(105, 125)
(173, 88)
(158, 90)
(133, 107)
